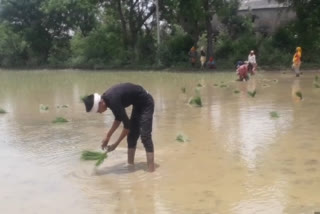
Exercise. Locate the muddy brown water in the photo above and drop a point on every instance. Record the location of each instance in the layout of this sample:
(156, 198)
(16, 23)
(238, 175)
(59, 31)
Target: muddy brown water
(237, 160)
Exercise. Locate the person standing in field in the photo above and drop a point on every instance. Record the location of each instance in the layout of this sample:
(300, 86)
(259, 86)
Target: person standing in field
(296, 61)
(117, 98)
(252, 60)
(193, 56)
(203, 58)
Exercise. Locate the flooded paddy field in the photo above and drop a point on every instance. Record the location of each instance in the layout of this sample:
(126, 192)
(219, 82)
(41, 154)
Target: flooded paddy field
(239, 157)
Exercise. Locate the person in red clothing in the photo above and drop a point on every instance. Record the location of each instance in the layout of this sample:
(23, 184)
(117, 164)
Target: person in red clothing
(243, 71)
(211, 64)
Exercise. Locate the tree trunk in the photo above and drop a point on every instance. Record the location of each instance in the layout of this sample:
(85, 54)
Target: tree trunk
(123, 25)
(209, 29)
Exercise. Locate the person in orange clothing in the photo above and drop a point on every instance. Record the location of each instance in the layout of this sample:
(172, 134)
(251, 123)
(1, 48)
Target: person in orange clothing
(193, 55)
(296, 61)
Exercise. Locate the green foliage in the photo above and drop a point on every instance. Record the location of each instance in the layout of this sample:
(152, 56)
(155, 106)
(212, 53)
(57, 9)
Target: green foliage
(12, 47)
(274, 114)
(60, 120)
(175, 49)
(2, 111)
(100, 47)
(98, 156)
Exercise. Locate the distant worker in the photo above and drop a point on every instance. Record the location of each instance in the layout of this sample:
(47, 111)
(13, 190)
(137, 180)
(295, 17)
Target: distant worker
(202, 57)
(296, 61)
(252, 60)
(211, 64)
(193, 56)
(243, 70)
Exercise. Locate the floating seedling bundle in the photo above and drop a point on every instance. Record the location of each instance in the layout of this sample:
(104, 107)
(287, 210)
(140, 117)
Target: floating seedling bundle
(2, 111)
(299, 94)
(236, 91)
(62, 106)
(199, 85)
(181, 138)
(252, 93)
(94, 156)
(196, 101)
(316, 82)
(183, 90)
(44, 107)
(274, 114)
(60, 120)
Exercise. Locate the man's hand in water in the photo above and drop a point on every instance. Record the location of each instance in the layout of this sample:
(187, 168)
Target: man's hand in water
(112, 147)
(104, 143)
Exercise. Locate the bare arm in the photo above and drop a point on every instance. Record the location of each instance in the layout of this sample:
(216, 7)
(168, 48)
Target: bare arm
(114, 127)
(123, 134)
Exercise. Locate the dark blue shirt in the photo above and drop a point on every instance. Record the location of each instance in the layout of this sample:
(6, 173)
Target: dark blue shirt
(122, 95)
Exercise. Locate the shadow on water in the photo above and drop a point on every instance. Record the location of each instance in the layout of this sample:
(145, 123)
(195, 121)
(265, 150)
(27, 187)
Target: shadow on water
(120, 169)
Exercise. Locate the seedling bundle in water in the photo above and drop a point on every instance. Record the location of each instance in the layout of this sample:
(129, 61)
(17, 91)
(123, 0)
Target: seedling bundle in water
(252, 93)
(44, 107)
(199, 85)
(299, 94)
(60, 120)
(223, 86)
(90, 156)
(274, 114)
(236, 91)
(316, 82)
(183, 89)
(196, 101)
(62, 106)
(180, 138)
(2, 111)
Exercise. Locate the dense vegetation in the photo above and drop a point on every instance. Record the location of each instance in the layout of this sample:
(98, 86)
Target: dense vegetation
(122, 33)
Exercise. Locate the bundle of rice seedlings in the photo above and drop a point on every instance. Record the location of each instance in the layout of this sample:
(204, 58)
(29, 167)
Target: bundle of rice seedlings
(180, 138)
(252, 93)
(216, 84)
(316, 85)
(236, 91)
(274, 114)
(44, 107)
(199, 85)
(60, 120)
(98, 156)
(275, 81)
(62, 106)
(183, 89)
(196, 100)
(316, 78)
(2, 111)
(299, 94)
(223, 86)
